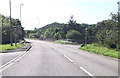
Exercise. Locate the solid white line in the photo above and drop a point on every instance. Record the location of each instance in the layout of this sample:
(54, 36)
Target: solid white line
(3, 67)
(68, 58)
(86, 71)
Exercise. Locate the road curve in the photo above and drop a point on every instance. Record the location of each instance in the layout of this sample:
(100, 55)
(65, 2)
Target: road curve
(50, 59)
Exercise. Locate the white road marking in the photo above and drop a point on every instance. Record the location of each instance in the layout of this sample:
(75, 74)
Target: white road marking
(86, 71)
(3, 67)
(80, 67)
(68, 58)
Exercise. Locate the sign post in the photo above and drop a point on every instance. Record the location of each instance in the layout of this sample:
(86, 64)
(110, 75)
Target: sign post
(15, 30)
(19, 29)
(86, 33)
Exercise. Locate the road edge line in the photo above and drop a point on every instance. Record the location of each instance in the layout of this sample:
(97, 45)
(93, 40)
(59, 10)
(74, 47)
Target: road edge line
(3, 66)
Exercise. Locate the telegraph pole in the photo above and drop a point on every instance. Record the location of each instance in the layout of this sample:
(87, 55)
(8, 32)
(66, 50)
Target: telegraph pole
(118, 23)
(20, 19)
(119, 35)
(10, 25)
(118, 11)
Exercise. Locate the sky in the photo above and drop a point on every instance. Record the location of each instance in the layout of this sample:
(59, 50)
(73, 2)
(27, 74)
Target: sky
(38, 13)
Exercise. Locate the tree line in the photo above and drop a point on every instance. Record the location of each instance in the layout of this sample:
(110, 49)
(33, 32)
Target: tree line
(5, 27)
(104, 32)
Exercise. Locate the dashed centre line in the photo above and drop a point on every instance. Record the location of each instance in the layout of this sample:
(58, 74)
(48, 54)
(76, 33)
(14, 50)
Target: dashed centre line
(68, 58)
(86, 71)
(89, 74)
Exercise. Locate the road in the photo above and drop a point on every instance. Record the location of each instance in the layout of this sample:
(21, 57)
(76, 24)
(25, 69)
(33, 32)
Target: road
(6, 57)
(51, 59)
(9, 55)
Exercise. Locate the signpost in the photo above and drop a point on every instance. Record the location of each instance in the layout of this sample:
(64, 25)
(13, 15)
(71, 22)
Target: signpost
(19, 29)
(15, 30)
(86, 33)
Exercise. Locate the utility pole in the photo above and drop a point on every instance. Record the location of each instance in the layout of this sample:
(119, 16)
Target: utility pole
(118, 22)
(20, 19)
(119, 35)
(10, 25)
(119, 12)
(1, 23)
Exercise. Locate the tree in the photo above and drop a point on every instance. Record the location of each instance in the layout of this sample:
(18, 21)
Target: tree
(71, 24)
(5, 27)
(57, 36)
(107, 32)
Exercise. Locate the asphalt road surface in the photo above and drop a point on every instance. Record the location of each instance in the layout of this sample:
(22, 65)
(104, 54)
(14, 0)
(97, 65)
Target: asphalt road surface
(6, 57)
(50, 59)
(9, 55)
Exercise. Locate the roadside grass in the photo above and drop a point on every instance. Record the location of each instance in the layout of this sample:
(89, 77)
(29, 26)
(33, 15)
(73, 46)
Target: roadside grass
(60, 42)
(99, 49)
(5, 47)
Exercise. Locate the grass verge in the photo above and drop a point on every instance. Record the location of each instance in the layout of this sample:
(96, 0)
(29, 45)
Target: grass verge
(96, 48)
(61, 42)
(5, 47)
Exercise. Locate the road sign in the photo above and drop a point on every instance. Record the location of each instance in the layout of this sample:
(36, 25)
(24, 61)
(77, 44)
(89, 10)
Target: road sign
(14, 29)
(19, 29)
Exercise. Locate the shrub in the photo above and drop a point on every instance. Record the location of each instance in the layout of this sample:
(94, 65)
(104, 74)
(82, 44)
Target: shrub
(73, 34)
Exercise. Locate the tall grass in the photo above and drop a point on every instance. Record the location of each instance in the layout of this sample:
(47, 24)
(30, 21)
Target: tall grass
(61, 42)
(99, 49)
(5, 47)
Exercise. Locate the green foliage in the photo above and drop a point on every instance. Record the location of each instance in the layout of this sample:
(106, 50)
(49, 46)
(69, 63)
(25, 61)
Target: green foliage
(71, 24)
(5, 27)
(49, 31)
(57, 36)
(105, 32)
(73, 34)
(99, 49)
(57, 30)
(61, 42)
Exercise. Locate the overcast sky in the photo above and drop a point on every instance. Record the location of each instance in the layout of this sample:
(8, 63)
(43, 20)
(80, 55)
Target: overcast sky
(38, 13)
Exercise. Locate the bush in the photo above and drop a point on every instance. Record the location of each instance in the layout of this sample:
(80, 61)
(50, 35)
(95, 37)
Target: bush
(73, 34)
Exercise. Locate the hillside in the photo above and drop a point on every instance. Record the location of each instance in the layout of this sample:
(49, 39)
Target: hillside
(53, 25)
(104, 32)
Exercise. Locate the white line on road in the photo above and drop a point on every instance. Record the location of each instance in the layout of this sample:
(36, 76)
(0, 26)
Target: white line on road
(68, 58)
(80, 67)
(86, 71)
(3, 67)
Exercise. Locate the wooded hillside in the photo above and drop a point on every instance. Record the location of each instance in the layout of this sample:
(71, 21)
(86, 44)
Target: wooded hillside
(104, 32)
